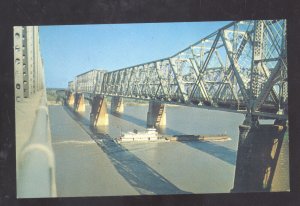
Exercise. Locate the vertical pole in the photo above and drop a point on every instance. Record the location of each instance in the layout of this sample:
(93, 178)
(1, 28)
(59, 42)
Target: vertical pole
(256, 66)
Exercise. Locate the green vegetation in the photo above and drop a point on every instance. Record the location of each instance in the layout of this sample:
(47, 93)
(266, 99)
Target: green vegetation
(52, 95)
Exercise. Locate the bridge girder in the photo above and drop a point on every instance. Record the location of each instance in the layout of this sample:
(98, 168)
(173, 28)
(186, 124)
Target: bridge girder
(242, 66)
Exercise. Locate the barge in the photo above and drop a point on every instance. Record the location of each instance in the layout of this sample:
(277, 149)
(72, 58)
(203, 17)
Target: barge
(220, 137)
(151, 135)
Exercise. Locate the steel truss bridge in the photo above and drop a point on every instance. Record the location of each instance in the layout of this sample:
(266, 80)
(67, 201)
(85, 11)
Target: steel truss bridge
(241, 67)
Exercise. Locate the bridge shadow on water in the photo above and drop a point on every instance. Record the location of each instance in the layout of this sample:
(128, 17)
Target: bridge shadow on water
(79, 117)
(223, 153)
(131, 119)
(137, 173)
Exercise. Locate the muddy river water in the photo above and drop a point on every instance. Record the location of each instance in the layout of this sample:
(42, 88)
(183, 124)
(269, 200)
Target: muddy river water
(157, 168)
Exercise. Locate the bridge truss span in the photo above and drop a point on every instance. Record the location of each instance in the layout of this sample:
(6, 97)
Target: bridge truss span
(241, 67)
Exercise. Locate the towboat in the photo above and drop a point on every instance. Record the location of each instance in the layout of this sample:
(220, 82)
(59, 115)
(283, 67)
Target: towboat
(149, 135)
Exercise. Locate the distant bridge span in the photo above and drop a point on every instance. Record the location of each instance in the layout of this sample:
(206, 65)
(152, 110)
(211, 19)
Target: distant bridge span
(241, 67)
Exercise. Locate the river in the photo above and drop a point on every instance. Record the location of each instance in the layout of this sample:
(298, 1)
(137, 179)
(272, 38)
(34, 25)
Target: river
(178, 167)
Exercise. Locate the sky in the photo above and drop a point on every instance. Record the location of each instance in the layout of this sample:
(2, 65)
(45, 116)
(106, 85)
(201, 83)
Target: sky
(70, 50)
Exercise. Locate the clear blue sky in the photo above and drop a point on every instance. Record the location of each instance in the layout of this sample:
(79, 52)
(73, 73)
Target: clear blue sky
(71, 50)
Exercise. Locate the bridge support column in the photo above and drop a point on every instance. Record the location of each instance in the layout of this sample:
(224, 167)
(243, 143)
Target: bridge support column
(99, 115)
(258, 152)
(117, 105)
(79, 104)
(156, 115)
(70, 99)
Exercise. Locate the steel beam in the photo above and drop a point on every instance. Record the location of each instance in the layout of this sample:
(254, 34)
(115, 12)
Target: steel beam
(217, 69)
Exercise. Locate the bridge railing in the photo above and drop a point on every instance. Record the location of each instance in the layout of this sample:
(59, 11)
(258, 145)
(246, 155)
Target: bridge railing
(86, 82)
(35, 158)
(28, 62)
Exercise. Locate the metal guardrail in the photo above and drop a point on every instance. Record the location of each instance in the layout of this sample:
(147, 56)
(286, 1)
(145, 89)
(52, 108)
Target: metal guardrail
(37, 173)
(36, 164)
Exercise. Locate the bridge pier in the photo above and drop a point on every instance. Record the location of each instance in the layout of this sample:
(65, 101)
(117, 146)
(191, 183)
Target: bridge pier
(117, 105)
(99, 115)
(79, 104)
(156, 115)
(70, 99)
(258, 151)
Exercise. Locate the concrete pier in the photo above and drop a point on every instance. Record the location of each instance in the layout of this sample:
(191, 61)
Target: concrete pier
(156, 115)
(70, 99)
(117, 105)
(258, 152)
(79, 104)
(99, 115)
